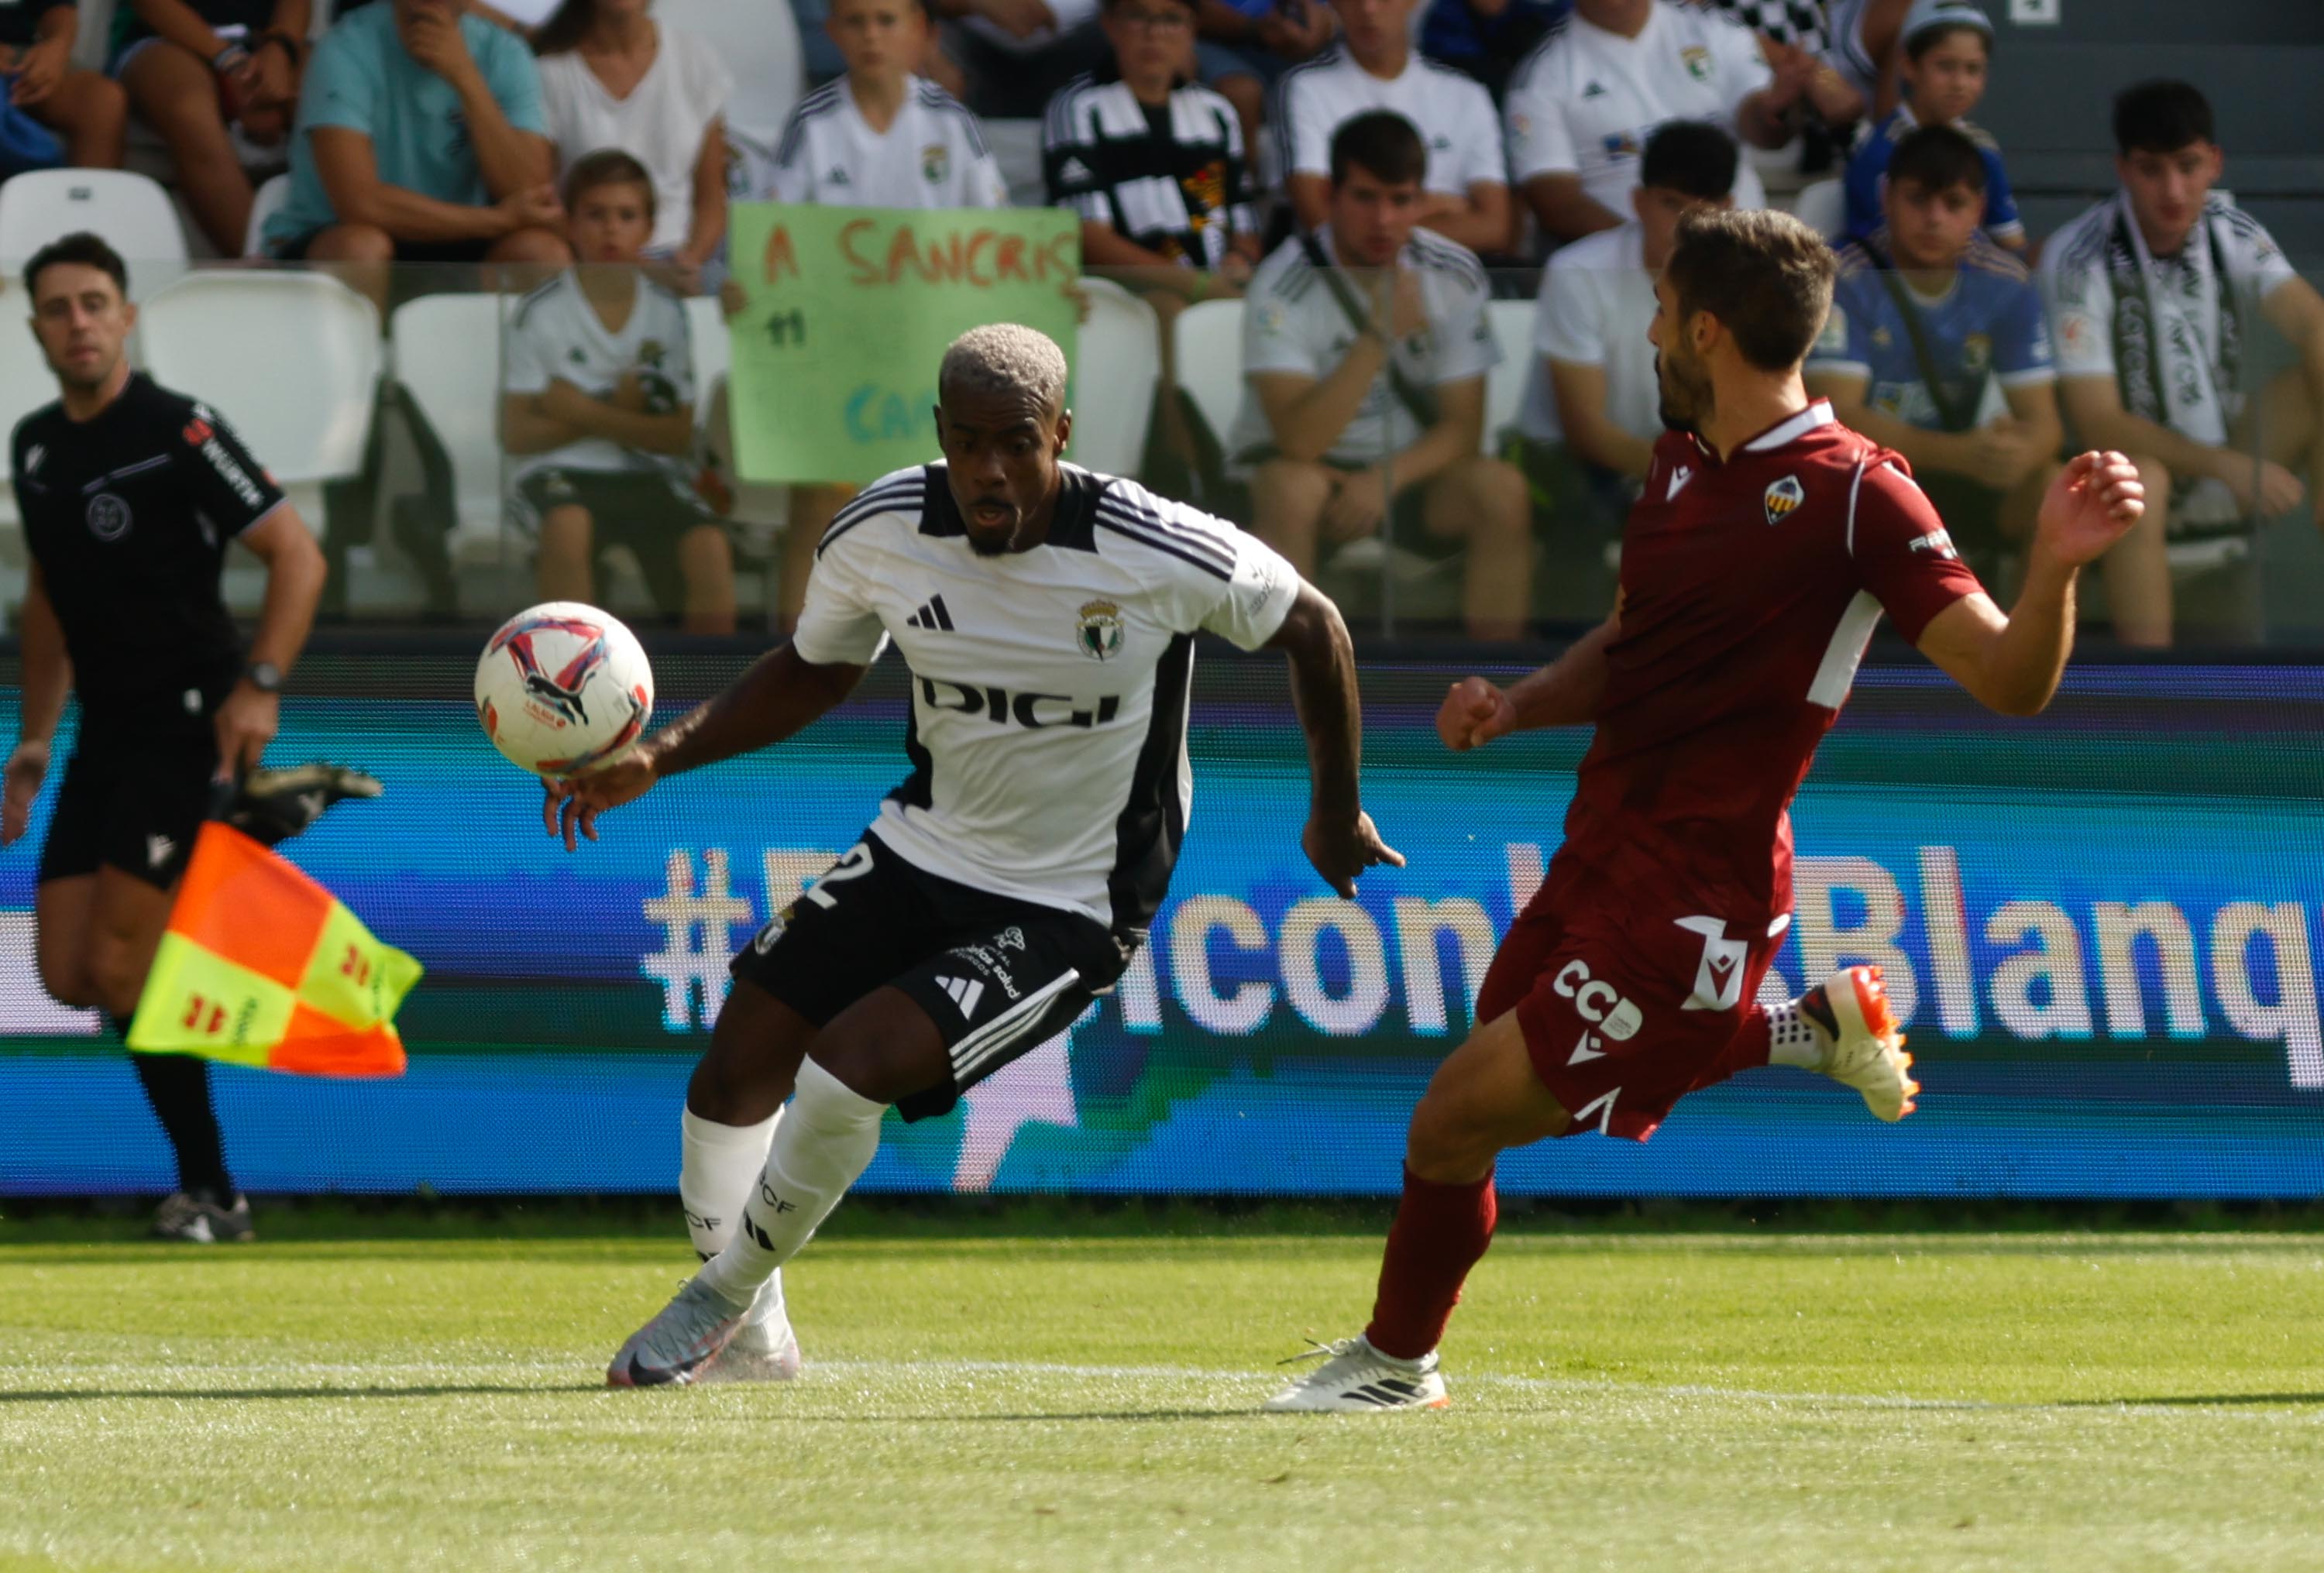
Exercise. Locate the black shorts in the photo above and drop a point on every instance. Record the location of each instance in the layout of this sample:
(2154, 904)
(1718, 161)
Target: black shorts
(649, 511)
(136, 809)
(998, 976)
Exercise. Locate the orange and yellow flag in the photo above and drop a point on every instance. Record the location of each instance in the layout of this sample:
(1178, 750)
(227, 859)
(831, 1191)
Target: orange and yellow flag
(262, 966)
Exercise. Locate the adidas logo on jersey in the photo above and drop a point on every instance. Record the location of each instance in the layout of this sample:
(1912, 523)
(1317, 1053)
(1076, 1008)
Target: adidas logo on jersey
(1074, 169)
(931, 616)
(1595, 90)
(838, 177)
(964, 991)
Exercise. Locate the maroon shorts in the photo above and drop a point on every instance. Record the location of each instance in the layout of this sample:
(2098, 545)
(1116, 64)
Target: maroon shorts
(1628, 1005)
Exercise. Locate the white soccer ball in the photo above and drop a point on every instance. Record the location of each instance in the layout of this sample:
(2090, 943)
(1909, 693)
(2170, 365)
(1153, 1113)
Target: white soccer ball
(563, 687)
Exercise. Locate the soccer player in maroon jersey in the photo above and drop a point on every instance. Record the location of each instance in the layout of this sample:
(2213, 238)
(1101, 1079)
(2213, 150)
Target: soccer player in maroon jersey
(1769, 540)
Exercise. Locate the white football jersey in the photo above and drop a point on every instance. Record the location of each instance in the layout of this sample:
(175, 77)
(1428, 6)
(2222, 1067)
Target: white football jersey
(1047, 735)
(555, 333)
(1585, 100)
(1452, 113)
(1293, 322)
(932, 155)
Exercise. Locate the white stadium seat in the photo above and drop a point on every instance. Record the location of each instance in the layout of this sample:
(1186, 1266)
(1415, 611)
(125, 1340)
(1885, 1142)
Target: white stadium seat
(265, 202)
(1015, 147)
(1116, 357)
(93, 44)
(1208, 341)
(705, 335)
(759, 39)
(448, 357)
(1505, 384)
(1822, 206)
(290, 359)
(131, 212)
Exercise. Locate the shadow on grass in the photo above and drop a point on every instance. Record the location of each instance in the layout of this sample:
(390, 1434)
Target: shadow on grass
(2192, 1400)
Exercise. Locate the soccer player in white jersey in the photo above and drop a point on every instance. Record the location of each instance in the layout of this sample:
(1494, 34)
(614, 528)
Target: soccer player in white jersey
(1583, 104)
(1047, 615)
(877, 137)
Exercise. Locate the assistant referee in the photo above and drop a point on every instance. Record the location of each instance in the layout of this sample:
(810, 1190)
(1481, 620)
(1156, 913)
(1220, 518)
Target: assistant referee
(130, 494)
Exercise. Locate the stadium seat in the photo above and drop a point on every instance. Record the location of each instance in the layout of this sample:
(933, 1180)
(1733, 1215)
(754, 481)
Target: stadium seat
(1208, 338)
(705, 335)
(93, 44)
(1505, 385)
(1822, 206)
(265, 202)
(758, 41)
(1015, 147)
(131, 212)
(292, 360)
(446, 350)
(1117, 358)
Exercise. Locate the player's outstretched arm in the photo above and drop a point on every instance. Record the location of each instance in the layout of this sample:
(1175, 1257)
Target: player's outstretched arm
(1566, 693)
(1339, 839)
(2012, 664)
(780, 695)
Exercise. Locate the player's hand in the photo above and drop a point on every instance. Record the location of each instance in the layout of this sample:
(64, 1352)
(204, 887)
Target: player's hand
(1018, 18)
(570, 806)
(39, 70)
(731, 299)
(2092, 504)
(1357, 506)
(245, 724)
(1397, 307)
(1341, 848)
(531, 207)
(28, 767)
(2270, 491)
(268, 80)
(562, 400)
(1474, 712)
(434, 38)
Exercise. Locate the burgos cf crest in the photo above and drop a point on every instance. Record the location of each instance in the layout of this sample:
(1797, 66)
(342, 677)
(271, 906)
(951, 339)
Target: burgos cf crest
(1698, 61)
(935, 162)
(1099, 633)
(1782, 497)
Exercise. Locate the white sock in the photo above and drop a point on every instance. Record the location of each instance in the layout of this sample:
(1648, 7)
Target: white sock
(719, 1167)
(1796, 1038)
(827, 1139)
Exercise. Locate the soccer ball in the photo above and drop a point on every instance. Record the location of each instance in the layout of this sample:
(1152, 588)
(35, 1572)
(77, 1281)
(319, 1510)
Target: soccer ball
(563, 687)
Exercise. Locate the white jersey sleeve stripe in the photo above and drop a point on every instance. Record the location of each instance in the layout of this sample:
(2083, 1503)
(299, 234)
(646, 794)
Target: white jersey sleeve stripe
(1165, 544)
(1134, 516)
(884, 496)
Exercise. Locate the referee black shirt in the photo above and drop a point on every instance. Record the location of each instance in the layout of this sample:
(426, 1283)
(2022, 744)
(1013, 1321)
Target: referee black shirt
(128, 516)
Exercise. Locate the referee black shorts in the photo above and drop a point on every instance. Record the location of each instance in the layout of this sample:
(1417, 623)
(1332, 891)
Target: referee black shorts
(132, 807)
(998, 976)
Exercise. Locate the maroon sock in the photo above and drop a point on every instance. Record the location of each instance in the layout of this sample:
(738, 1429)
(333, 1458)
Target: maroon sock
(1441, 1231)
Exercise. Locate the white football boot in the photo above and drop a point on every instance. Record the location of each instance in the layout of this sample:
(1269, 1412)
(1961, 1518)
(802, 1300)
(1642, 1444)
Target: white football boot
(683, 1338)
(1357, 1379)
(1862, 1046)
(763, 1348)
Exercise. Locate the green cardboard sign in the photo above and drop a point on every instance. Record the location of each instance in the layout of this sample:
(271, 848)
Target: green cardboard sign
(848, 311)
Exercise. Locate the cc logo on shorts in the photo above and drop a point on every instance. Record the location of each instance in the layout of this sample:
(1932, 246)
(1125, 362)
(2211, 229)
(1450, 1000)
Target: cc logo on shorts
(1597, 1001)
(108, 517)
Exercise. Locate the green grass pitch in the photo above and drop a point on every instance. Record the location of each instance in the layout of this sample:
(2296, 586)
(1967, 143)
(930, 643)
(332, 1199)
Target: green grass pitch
(1033, 1392)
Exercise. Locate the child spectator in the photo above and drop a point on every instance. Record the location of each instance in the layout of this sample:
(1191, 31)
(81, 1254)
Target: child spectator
(598, 407)
(1936, 346)
(1948, 45)
(611, 76)
(89, 112)
(878, 137)
(217, 80)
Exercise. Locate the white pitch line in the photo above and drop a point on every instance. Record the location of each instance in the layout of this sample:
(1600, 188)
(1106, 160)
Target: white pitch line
(361, 1375)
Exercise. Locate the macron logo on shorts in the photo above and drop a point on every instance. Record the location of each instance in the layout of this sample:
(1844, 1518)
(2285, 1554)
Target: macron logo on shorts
(964, 991)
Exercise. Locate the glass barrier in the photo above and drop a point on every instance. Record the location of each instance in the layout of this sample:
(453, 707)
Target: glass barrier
(463, 447)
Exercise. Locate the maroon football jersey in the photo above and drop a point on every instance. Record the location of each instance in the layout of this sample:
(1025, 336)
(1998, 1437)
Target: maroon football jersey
(1749, 590)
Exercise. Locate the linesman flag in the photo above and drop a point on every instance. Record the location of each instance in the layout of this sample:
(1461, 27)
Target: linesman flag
(262, 966)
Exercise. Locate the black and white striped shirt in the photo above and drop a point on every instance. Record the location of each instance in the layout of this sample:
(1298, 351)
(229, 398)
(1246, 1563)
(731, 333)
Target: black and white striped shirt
(1173, 177)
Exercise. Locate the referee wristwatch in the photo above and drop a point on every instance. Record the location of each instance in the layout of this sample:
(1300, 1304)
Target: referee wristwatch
(263, 675)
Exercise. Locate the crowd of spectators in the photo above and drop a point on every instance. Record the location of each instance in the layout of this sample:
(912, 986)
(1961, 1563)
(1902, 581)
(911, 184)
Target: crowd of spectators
(1354, 169)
